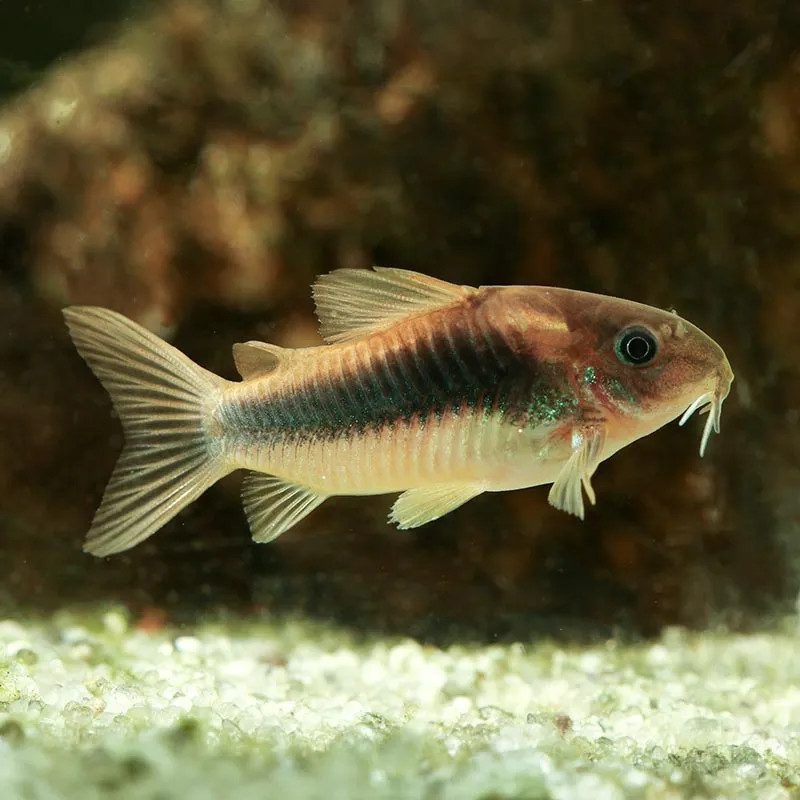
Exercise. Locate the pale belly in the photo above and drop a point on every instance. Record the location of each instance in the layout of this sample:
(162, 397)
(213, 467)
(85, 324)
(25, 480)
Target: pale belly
(458, 448)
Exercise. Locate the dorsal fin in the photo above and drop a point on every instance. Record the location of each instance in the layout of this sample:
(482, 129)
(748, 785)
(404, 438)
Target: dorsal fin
(257, 358)
(355, 302)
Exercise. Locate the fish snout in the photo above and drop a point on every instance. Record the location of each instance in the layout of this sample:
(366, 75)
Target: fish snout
(724, 379)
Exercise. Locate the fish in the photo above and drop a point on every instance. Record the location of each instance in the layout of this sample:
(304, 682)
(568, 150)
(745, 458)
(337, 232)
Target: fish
(430, 389)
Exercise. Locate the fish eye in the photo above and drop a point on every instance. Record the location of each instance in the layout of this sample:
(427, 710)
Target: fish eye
(636, 346)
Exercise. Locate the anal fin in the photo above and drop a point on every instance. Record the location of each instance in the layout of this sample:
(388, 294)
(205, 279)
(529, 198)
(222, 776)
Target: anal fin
(273, 505)
(424, 504)
(575, 477)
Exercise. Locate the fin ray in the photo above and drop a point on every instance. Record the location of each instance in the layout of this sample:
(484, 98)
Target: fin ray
(424, 504)
(352, 303)
(575, 477)
(162, 399)
(273, 505)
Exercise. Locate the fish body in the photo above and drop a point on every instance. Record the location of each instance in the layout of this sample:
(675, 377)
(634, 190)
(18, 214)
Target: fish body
(438, 391)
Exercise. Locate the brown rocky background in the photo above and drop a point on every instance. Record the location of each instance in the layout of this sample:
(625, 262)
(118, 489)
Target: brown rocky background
(198, 164)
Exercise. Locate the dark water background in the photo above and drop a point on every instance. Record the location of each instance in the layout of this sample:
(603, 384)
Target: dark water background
(35, 33)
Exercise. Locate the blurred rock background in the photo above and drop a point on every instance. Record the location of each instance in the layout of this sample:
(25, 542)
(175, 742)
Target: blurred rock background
(195, 164)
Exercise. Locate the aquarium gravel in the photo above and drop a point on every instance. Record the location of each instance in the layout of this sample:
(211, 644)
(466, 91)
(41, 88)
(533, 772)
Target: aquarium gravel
(93, 705)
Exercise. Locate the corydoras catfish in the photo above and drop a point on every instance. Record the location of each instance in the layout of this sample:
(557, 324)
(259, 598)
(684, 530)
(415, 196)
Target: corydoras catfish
(438, 391)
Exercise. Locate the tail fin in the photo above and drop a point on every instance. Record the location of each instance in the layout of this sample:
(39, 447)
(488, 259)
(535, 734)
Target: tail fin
(163, 400)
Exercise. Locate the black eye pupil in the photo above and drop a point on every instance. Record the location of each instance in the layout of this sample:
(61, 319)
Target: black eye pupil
(637, 347)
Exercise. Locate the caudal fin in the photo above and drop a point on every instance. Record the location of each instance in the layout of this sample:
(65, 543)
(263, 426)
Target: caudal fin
(163, 400)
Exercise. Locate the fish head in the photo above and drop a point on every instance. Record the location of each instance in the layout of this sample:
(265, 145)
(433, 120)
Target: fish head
(646, 366)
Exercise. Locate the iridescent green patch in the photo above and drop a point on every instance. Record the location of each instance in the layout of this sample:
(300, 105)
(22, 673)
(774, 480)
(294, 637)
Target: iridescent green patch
(619, 391)
(551, 405)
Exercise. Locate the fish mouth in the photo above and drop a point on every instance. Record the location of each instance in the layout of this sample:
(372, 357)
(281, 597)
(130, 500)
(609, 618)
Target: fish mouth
(709, 403)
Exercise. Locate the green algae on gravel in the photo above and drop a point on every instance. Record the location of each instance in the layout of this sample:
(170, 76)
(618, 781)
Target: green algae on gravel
(90, 707)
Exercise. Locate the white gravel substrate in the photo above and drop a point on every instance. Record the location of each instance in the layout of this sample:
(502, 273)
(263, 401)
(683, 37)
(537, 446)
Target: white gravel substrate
(91, 708)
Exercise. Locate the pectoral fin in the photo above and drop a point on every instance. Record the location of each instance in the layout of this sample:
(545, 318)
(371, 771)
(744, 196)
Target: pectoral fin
(273, 505)
(575, 477)
(424, 504)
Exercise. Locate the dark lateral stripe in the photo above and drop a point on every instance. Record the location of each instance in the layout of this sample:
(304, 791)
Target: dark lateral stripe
(462, 365)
